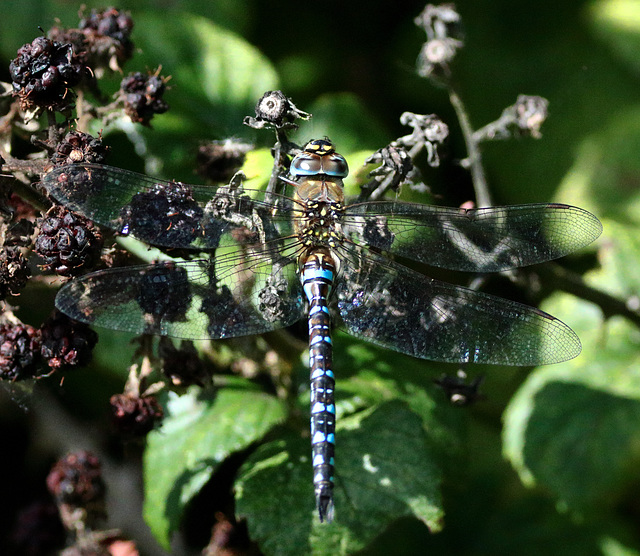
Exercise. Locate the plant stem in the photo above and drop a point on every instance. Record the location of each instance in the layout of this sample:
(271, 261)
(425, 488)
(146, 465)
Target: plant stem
(564, 280)
(474, 159)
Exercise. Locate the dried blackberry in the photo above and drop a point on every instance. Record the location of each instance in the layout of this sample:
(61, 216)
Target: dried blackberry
(19, 352)
(74, 183)
(220, 160)
(66, 342)
(67, 242)
(76, 482)
(44, 73)
(182, 366)
(165, 293)
(79, 147)
(107, 33)
(14, 271)
(166, 215)
(142, 96)
(134, 415)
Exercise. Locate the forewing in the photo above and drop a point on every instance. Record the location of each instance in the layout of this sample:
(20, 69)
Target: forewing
(235, 294)
(395, 307)
(169, 214)
(474, 240)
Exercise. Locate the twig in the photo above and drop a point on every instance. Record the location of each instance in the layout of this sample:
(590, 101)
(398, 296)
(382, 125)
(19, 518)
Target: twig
(570, 282)
(474, 159)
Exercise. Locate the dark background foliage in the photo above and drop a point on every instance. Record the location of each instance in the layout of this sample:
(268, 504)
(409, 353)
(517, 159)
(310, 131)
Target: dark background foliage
(548, 463)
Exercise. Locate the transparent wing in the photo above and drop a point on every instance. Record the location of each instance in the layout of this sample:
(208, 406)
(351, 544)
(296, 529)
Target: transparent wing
(473, 240)
(235, 294)
(395, 307)
(169, 214)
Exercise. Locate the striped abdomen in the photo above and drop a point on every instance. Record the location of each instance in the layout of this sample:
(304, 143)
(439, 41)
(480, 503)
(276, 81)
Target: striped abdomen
(318, 274)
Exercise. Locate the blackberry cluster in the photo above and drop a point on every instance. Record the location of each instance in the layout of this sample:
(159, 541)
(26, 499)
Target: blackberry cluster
(67, 242)
(14, 271)
(134, 415)
(79, 147)
(182, 366)
(142, 96)
(102, 39)
(66, 342)
(220, 160)
(108, 35)
(165, 216)
(19, 352)
(165, 293)
(44, 73)
(76, 482)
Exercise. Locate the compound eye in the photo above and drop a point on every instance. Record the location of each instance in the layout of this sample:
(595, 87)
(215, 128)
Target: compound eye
(335, 165)
(305, 164)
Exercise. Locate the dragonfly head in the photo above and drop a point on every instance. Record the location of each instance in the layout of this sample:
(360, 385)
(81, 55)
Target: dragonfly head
(319, 157)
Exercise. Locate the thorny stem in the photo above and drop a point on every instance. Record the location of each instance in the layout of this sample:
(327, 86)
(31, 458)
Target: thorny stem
(474, 159)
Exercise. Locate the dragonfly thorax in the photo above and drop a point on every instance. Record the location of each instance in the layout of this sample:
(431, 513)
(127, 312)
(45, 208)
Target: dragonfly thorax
(319, 224)
(317, 220)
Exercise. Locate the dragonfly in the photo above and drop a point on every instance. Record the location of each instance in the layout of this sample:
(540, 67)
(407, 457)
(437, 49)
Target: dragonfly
(252, 261)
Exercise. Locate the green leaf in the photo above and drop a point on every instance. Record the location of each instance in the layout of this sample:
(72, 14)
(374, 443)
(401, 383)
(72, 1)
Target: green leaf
(197, 434)
(617, 23)
(575, 428)
(368, 375)
(385, 470)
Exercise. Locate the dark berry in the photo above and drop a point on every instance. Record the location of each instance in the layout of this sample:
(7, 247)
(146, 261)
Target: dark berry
(14, 271)
(142, 96)
(182, 366)
(66, 342)
(109, 23)
(76, 482)
(79, 147)
(134, 415)
(44, 73)
(106, 37)
(68, 243)
(166, 215)
(222, 310)
(75, 184)
(165, 293)
(20, 352)
(220, 160)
